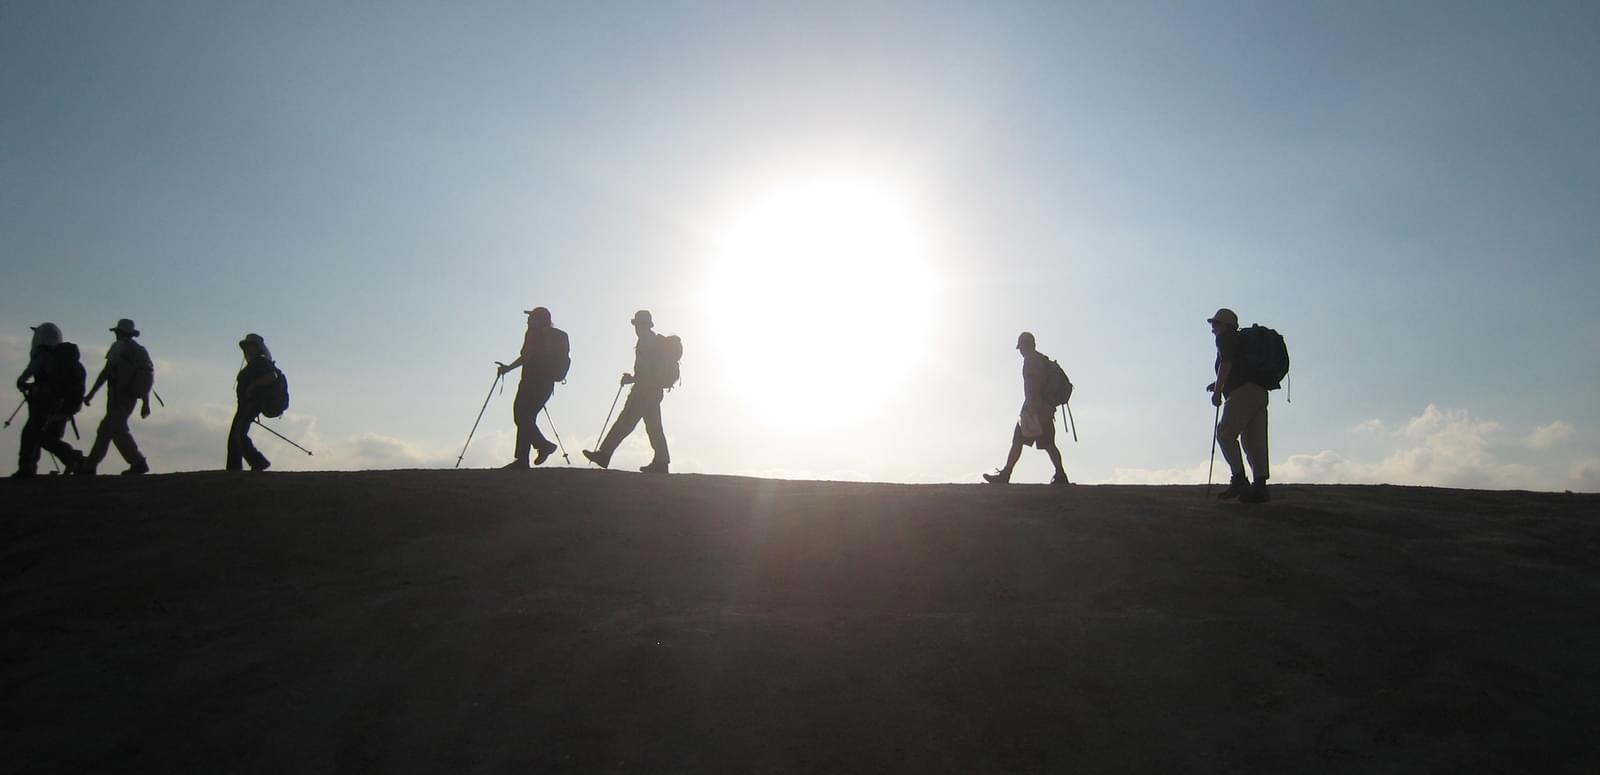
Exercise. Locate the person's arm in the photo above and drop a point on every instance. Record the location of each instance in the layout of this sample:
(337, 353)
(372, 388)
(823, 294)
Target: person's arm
(512, 366)
(105, 374)
(1224, 368)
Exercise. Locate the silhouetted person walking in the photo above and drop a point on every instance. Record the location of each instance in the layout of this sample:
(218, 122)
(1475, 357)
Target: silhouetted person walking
(1238, 390)
(53, 396)
(128, 376)
(1036, 425)
(253, 387)
(655, 363)
(545, 358)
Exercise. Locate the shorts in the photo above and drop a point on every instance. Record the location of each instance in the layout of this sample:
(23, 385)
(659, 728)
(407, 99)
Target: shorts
(1043, 440)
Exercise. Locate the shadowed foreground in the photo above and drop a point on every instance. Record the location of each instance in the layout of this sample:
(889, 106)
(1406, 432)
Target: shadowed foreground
(594, 621)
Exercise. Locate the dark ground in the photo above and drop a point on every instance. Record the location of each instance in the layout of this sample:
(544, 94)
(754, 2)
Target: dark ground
(586, 621)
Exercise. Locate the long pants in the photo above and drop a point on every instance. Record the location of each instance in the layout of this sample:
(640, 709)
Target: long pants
(532, 395)
(642, 404)
(43, 431)
(114, 430)
(240, 448)
(1244, 414)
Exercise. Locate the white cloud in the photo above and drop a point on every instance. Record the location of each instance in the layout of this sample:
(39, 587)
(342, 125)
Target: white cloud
(1547, 436)
(1444, 448)
(1585, 475)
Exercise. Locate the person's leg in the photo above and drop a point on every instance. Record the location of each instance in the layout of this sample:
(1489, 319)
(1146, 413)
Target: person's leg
(1239, 409)
(628, 419)
(526, 421)
(237, 429)
(247, 448)
(1055, 459)
(1015, 454)
(28, 444)
(54, 441)
(1255, 448)
(122, 436)
(102, 440)
(651, 414)
(538, 397)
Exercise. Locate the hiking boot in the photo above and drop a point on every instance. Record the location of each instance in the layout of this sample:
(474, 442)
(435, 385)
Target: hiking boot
(265, 464)
(544, 453)
(84, 467)
(515, 465)
(657, 467)
(998, 477)
(137, 469)
(1256, 494)
(23, 473)
(1060, 478)
(1237, 486)
(598, 458)
(73, 464)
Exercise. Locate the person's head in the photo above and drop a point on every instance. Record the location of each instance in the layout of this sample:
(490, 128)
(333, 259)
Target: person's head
(124, 329)
(1224, 320)
(1025, 343)
(45, 335)
(538, 317)
(253, 345)
(642, 322)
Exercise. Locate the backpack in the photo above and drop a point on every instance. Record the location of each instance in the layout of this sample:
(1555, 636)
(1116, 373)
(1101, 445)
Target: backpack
(1266, 354)
(136, 374)
(1057, 387)
(671, 353)
(277, 398)
(559, 357)
(64, 378)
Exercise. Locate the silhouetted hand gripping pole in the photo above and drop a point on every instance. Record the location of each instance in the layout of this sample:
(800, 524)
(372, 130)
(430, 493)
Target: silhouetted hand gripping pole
(498, 375)
(286, 439)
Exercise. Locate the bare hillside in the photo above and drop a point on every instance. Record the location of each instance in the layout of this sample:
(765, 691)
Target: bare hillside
(588, 621)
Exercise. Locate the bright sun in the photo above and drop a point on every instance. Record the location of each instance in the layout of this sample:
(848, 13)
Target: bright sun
(819, 292)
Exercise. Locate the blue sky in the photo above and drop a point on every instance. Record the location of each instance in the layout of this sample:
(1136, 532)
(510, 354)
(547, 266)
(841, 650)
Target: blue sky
(1408, 192)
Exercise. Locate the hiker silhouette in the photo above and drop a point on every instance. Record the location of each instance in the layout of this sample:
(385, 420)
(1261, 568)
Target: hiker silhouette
(1249, 363)
(655, 366)
(53, 396)
(544, 360)
(1036, 424)
(254, 388)
(128, 376)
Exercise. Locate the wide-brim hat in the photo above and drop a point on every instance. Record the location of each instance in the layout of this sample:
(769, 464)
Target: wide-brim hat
(254, 339)
(538, 312)
(642, 318)
(125, 326)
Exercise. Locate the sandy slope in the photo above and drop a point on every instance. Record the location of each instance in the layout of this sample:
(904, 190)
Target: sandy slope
(567, 620)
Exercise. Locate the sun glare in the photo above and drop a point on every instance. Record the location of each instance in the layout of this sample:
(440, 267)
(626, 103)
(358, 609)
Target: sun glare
(818, 292)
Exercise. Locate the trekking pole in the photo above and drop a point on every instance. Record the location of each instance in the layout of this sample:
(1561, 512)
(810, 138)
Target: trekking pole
(1209, 469)
(55, 463)
(158, 399)
(558, 435)
(73, 421)
(281, 436)
(497, 377)
(603, 425)
(1074, 423)
(14, 411)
